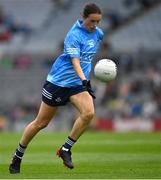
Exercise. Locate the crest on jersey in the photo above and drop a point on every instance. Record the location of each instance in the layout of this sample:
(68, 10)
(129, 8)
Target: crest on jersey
(90, 43)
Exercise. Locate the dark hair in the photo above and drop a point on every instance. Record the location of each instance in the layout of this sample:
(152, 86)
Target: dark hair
(91, 8)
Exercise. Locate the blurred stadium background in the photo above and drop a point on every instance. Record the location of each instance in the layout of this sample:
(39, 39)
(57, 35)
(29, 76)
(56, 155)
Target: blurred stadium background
(31, 37)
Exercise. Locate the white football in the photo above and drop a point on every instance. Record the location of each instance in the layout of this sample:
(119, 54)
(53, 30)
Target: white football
(105, 70)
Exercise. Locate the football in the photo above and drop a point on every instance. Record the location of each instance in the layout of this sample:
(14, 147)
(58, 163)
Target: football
(105, 70)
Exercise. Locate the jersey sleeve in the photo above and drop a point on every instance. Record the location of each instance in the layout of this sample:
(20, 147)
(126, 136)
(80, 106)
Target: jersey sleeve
(72, 46)
(101, 34)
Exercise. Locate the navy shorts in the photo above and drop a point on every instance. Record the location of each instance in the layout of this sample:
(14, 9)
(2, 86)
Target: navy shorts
(54, 95)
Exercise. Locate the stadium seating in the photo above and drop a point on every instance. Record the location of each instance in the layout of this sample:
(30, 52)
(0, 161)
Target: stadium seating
(144, 32)
(135, 47)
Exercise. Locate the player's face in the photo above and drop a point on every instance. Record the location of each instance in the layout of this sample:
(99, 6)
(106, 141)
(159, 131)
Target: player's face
(92, 21)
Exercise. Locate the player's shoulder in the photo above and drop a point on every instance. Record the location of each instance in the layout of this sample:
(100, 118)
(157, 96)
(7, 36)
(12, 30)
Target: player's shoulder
(72, 36)
(74, 33)
(100, 33)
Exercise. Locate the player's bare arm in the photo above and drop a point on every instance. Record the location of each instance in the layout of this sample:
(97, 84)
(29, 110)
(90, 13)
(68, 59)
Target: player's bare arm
(77, 68)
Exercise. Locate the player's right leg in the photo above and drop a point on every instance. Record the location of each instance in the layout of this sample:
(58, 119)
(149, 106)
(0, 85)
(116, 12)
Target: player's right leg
(43, 118)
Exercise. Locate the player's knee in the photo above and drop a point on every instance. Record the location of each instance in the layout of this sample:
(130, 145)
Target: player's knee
(41, 125)
(88, 116)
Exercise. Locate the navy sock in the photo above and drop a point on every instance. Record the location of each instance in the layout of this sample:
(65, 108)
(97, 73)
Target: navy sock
(68, 144)
(20, 151)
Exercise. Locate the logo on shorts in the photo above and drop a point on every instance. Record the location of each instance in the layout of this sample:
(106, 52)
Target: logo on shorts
(58, 99)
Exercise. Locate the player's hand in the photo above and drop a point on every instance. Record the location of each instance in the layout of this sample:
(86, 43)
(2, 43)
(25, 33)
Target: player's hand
(87, 85)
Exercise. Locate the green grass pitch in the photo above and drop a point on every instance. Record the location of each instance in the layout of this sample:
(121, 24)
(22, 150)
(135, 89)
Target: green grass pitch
(97, 155)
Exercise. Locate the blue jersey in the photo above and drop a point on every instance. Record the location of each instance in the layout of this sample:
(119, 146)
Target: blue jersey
(79, 43)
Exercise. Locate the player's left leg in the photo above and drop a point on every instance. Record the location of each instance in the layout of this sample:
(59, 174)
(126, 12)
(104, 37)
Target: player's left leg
(84, 103)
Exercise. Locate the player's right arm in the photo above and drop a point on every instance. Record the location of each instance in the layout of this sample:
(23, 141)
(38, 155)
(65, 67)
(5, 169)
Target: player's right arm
(72, 49)
(77, 68)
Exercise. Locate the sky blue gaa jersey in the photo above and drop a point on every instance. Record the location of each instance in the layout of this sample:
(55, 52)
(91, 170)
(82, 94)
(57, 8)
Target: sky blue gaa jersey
(79, 43)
